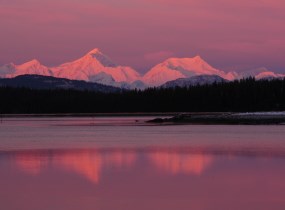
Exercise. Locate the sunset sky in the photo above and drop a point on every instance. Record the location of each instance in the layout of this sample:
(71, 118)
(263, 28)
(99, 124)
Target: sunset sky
(229, 34)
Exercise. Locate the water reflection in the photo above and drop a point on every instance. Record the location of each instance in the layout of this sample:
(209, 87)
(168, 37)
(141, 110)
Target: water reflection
(143, 178)
(90, 163)
(31, 163)
(175, 162)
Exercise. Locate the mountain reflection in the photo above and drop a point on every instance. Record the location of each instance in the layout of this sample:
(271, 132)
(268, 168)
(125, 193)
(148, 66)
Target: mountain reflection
(175, 163)
(88, 163)
(31, 163)
(91, 163)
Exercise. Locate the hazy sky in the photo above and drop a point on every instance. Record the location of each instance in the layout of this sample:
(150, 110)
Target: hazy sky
(229, 34)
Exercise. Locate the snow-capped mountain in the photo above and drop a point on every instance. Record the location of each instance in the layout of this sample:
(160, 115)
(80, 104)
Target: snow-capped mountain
(178, 68)
(92, 67)
(99, 68)
(195, 80)
(96, 67)
(32, 67)
(175, 68)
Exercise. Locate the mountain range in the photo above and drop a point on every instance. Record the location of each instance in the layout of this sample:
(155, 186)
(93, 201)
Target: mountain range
(96, 67)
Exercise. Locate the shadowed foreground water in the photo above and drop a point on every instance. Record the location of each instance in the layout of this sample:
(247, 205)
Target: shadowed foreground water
(113, 163)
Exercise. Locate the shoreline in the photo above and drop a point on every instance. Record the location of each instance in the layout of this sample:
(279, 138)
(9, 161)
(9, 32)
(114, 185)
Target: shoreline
(258, 118)
(122, 114)
(176, 118)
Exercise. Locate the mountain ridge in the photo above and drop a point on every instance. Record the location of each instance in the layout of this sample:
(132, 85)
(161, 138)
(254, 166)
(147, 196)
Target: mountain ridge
(41, 82)
(97, 67)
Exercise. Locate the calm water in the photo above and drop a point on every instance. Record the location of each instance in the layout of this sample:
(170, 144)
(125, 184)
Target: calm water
(121, 163)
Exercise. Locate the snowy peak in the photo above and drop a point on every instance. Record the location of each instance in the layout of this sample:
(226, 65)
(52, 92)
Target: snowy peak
(31, 64)
(195, 60)
(196, 65)
(96, 63)
(94, 51)
(175, 68)
(30, 67)
(94, 58)
(98, 56)
(198, 58)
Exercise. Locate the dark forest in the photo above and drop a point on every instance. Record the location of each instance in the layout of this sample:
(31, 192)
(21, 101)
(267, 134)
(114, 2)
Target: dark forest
(247, 95)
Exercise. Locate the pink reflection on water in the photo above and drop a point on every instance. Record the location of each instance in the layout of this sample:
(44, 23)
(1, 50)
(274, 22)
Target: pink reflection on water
(31, 163)
(176, 163)
(125, 179)
(90, 164)
(84, 163)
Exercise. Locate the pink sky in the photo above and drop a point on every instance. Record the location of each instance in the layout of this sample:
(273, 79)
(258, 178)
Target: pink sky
(229, 34)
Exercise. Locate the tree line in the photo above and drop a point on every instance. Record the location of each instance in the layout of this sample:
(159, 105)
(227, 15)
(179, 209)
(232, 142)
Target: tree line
(247, 95)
